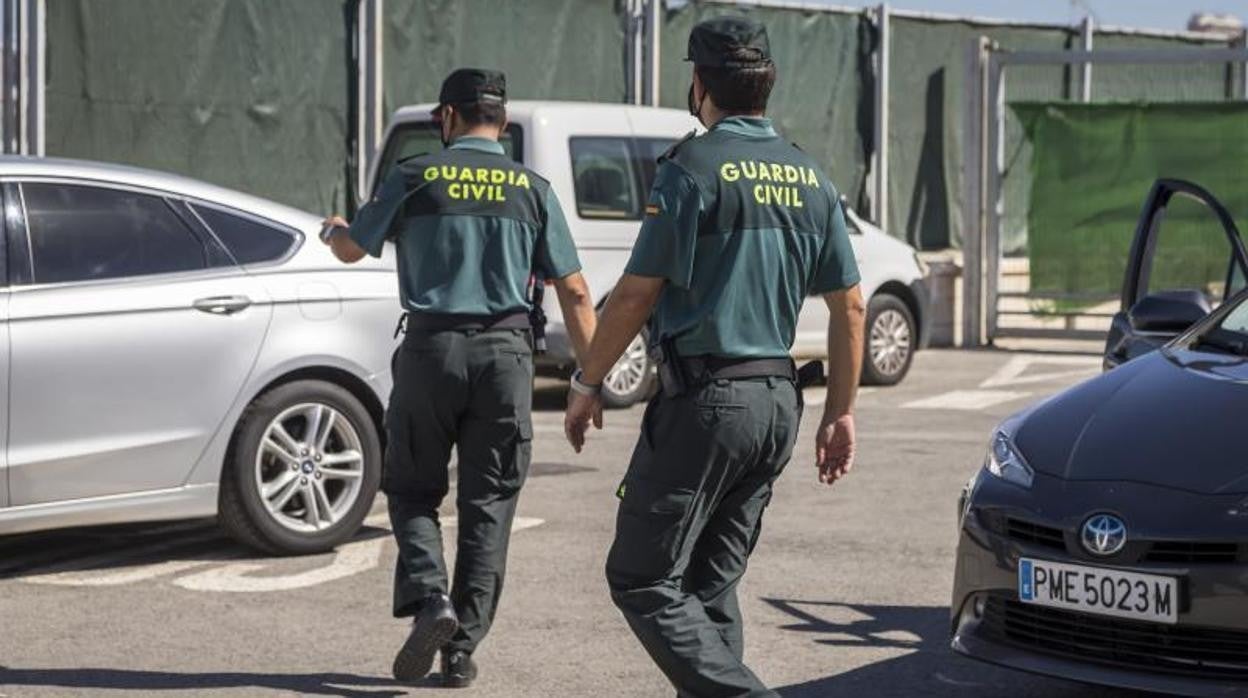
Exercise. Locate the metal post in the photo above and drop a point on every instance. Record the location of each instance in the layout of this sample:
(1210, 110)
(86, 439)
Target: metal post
(22, 116)
(650, 82)
(1085, 75)
(1242, 44)
(973, 181)
(634, 49)
(9, 71)
(369, 92)
(879, 156)
(995, 201)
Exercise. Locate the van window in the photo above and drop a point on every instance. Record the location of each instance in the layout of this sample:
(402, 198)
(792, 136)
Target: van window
(612, 176)
(419, 137)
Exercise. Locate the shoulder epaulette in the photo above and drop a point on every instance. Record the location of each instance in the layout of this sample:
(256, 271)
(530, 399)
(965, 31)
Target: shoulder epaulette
(667, 154)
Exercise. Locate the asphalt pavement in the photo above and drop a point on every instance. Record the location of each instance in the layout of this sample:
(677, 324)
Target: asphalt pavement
(847, 593)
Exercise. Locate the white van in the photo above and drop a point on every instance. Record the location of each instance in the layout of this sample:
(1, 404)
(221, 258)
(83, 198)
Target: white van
(600, 159)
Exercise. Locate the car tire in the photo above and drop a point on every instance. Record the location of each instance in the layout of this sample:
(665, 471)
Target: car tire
(891, 338)
(631, 380)
(340, 475)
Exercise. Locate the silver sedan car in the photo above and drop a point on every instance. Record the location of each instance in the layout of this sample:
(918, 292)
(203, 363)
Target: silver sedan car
(172, 349)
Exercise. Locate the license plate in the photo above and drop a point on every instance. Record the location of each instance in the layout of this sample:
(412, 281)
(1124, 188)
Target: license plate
(1097, 590)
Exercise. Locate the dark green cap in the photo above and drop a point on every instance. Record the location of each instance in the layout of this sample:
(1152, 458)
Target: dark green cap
(469, 85)
(729, 42)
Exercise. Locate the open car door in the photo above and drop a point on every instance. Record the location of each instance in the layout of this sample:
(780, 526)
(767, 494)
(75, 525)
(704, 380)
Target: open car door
(1186, 259)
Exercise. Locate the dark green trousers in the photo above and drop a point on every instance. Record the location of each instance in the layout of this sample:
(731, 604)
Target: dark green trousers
(690, 513)
(471, 391)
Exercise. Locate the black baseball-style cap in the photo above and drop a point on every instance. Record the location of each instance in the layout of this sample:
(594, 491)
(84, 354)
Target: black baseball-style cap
(470, 85)
(729, 42)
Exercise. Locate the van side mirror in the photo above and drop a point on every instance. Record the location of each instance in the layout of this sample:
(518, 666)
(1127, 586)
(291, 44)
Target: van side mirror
(1168, 311)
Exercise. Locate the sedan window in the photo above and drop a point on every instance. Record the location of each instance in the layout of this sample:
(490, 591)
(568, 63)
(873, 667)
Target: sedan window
(84, 233)
(248, 240)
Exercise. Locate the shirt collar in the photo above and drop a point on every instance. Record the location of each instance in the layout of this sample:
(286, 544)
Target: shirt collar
(483, 145)
(749, 126)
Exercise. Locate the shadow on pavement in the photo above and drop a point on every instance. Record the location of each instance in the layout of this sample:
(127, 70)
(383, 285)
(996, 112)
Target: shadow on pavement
(347, 685)
(101, 548)
(928, 667)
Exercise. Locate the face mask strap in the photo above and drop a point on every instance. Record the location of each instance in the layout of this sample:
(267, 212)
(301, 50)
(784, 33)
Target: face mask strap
(696, 109)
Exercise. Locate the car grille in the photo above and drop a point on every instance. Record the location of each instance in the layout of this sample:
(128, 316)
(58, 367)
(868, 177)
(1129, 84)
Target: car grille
(1192, 552)
(1035, 534)
(1124, 643)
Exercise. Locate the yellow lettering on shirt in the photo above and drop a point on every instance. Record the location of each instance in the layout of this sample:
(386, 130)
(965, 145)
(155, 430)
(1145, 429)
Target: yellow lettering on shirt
(771, 183)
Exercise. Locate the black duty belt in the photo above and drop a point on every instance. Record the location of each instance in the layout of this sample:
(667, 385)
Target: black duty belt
(443, 322)
(703, 369)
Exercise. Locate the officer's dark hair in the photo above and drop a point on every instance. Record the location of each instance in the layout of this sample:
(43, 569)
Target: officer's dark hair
(739, 90)
(482, 113)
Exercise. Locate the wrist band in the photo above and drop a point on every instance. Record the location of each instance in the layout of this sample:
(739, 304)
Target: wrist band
(579, 386)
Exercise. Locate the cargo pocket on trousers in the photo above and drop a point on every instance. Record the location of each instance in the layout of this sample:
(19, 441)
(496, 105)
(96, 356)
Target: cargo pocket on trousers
(398, 467)
(517, 470)
(650, 529)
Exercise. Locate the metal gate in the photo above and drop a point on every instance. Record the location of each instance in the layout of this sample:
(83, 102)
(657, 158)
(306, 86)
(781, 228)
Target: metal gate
(1000, 298)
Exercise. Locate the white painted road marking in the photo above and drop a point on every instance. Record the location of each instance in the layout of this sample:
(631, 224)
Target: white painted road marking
(351, 559)
(1008, 376)
(965, 400)
(1011, 373)
(79, 573)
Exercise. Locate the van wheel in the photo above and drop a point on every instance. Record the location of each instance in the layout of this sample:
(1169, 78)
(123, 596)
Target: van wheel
(890, 341)
(302, 470)
(631, 379)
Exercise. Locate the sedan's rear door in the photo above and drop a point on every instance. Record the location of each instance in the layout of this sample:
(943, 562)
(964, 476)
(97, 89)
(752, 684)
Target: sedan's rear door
(132, 333)
(1187, 257)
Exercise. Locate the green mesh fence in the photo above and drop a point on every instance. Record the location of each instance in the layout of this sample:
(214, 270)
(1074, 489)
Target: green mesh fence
(1092, 169)
(249, 95)
(260, 96)
(823, 95)
(550, 49)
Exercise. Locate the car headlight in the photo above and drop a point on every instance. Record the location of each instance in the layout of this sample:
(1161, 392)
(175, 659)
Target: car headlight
(1006, 462)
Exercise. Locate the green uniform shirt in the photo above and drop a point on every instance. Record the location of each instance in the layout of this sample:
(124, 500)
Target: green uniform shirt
(743, 227)
(470, 226)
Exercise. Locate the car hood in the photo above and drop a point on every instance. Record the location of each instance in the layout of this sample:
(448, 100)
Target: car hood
(1169, 419)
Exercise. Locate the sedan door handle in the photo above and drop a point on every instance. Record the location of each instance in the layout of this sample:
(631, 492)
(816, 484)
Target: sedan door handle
(222, 305)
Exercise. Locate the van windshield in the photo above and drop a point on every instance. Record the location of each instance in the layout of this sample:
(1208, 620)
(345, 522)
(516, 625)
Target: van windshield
(418, 137)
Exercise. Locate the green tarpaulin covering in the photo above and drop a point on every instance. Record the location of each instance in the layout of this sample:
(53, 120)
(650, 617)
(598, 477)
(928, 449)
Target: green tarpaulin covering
(1093, 166)
(550, 49)
(249, 95)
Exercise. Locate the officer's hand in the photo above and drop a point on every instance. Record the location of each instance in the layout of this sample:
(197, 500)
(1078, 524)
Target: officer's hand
(336, 222)
(834, 448)
(582, 409)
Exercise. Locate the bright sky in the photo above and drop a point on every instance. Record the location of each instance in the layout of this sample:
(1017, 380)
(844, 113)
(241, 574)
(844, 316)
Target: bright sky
(1150, 14)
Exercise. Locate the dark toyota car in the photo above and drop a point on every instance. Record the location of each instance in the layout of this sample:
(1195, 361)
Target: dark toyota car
(1105, 539)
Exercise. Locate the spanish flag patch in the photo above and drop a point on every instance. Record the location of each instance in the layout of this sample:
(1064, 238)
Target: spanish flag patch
(652, 209)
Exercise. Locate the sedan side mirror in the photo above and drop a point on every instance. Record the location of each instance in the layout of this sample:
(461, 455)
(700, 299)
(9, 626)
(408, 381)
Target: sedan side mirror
(1168, 311)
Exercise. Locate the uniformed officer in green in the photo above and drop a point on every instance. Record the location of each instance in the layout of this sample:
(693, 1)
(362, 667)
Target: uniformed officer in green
(740, 228)
(471, 229)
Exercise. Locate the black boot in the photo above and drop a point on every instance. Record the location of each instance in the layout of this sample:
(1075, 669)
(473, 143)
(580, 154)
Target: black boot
(458, 669)
(433, 627)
